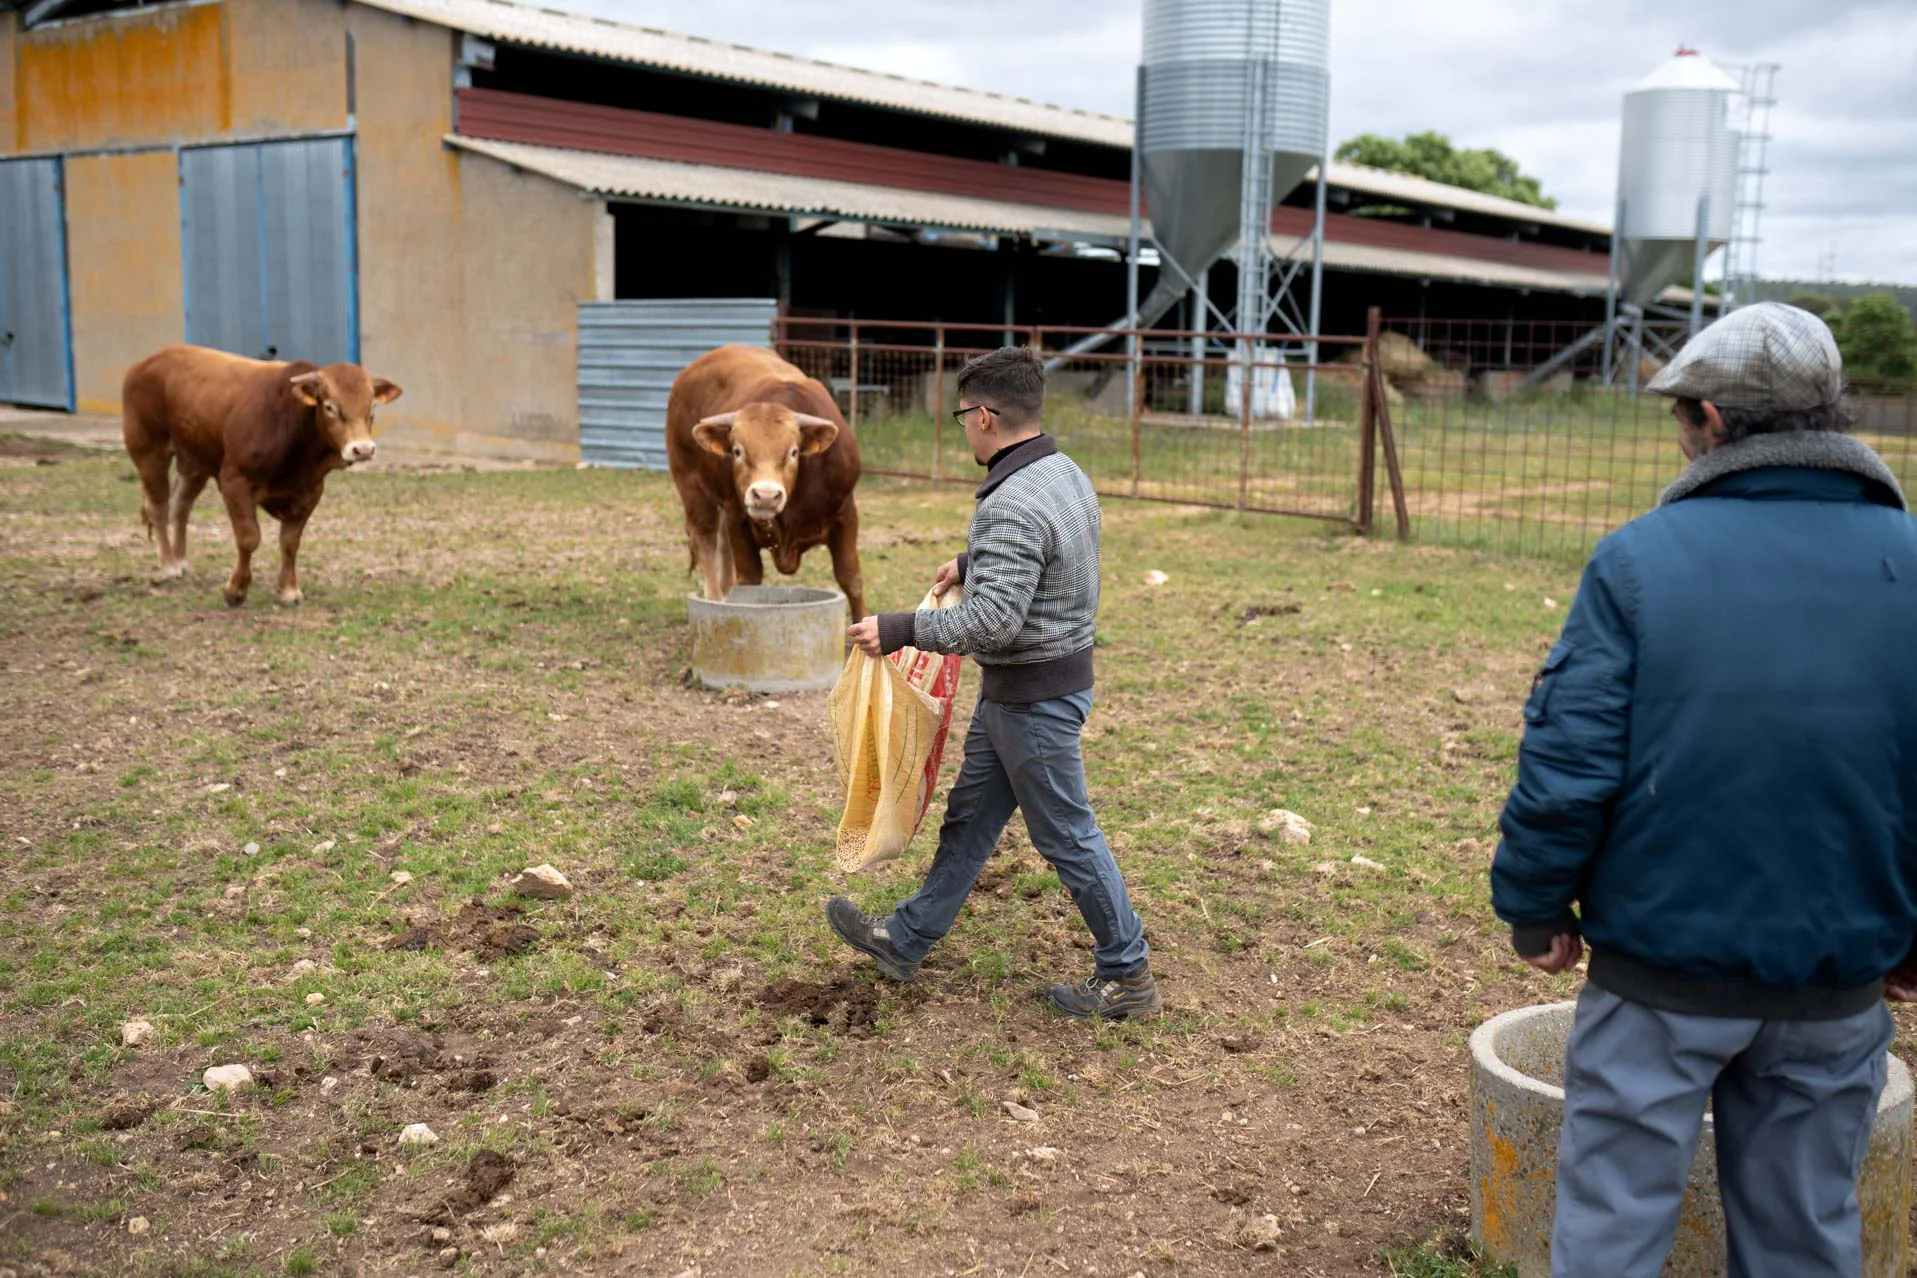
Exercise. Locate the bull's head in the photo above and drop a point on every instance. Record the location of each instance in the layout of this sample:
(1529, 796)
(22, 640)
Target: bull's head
(343, 397)
(765, 442)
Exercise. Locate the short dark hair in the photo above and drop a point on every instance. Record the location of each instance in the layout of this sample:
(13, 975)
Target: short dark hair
(1009, 380)
(1741, 423)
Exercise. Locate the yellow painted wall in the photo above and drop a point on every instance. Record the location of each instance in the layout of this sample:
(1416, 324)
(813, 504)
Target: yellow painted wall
(123, 255)
(143, 77)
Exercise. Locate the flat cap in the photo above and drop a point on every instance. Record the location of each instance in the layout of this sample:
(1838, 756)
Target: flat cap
(1763, 356)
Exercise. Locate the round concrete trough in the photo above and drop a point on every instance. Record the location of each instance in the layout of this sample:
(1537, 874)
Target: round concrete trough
(768, 638)
(1517, 1107)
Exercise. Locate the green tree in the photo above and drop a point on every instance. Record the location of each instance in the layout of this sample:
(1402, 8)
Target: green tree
(1431, 155)
(1878, 343)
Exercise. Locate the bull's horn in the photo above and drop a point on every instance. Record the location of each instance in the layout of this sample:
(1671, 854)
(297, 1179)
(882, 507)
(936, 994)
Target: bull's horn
(807, 419)
(720, 419)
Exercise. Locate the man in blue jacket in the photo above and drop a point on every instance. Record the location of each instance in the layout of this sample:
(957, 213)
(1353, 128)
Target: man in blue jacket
(1719, 770)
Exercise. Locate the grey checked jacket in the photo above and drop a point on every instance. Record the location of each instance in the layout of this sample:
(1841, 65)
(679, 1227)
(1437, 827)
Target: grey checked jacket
(1031, 581)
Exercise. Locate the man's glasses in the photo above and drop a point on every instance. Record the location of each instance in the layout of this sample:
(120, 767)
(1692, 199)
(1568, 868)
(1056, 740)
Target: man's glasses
(959, 415)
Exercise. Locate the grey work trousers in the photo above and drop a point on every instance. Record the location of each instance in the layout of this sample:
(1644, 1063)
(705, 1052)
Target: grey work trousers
(1025, 758)
(1792, 1102)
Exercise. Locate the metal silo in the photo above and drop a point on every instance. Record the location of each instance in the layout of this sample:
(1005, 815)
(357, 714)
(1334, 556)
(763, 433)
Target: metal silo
(1231, 116)
(1677, 175)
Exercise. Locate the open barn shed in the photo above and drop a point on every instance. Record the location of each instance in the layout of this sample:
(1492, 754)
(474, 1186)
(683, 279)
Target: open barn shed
(434, 188)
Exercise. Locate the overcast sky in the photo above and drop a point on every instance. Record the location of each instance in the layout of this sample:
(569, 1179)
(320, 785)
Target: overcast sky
(1539, 79)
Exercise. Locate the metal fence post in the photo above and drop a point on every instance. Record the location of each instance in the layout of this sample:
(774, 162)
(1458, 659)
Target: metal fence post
(1244, 425)
(852, 392)
(938, 401)
(1368, 421)
(1132, 371)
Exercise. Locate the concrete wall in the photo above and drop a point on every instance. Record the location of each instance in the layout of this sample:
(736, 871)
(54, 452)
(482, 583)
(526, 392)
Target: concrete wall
(469, 272)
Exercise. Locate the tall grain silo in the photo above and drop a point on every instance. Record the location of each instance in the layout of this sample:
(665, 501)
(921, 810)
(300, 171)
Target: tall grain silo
(1677, 175)
(1232, 104)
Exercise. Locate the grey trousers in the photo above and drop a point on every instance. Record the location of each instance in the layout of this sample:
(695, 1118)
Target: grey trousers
(1792, 1102)
(1025, 759)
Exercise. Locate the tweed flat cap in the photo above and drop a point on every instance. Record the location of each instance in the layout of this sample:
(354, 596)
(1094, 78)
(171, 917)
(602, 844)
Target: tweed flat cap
(1764, 356)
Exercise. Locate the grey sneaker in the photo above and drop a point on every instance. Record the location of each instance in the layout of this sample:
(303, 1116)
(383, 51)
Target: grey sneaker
(1108, 998)
(867, 935)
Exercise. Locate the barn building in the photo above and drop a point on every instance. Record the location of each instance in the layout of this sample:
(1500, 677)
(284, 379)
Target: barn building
(434, 188)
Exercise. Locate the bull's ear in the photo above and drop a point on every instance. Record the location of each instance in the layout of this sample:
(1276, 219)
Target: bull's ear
(308, 386)
(385, 392)
(714, 434)
(816, 434)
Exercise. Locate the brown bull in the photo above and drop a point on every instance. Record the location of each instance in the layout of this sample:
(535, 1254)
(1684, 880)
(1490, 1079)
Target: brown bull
(762, 460)
(267, 433)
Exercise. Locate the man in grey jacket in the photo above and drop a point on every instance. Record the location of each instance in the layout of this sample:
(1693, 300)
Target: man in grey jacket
(1031, 596)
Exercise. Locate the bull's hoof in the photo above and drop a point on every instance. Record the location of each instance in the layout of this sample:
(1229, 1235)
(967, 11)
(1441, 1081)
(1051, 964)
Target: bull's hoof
(234, 598)
(291, 596)
(170, 572)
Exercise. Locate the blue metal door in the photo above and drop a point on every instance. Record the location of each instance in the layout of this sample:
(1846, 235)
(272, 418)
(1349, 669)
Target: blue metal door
(269, 240)
(36, 347)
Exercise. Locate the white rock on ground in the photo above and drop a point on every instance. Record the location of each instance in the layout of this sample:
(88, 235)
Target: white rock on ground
(227, 1078)
(138, 1225)
(418, 1134)
(315, 999)
(1365, 862)
(542, 881)
(1156, 578)
(1019, 1113)
(1286, 827)
(134, 1033)
(327, 1084)
(401, 878)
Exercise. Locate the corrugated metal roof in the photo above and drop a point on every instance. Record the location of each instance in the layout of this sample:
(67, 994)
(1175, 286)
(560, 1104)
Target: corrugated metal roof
(710, 186)
(575, 33)
(1416, 190)
(746, 190)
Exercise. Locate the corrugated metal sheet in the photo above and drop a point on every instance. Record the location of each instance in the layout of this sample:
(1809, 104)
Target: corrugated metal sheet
(629, 354)
(1470, 257)
(573, 33)
(1405, 188)
(268, 231)
(36, 349)
(710, 186)
(519, 117)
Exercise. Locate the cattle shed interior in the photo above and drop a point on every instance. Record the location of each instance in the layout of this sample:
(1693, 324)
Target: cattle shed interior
(436, 188)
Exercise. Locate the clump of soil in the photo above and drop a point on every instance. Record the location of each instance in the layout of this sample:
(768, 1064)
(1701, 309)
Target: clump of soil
(848, 1006)
(489, 931)
(489, 1172)
(127, 1112)
(758, 1069)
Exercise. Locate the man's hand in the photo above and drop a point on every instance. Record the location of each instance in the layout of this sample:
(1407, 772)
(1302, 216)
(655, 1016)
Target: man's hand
(1900, 984)
(865, 637)
(1566, 949)
(945, 578)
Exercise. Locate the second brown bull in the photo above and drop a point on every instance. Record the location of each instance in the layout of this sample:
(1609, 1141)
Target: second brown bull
(762, 461)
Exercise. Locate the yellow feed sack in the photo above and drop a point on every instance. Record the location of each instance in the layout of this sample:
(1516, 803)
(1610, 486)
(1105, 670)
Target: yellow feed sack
(890, 716)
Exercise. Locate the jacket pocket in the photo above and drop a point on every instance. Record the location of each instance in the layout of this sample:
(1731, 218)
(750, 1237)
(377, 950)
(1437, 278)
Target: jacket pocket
(1537, 704)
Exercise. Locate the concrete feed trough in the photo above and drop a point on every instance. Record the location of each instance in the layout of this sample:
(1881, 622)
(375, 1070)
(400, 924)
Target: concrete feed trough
(768, 638)
(1517, 1106)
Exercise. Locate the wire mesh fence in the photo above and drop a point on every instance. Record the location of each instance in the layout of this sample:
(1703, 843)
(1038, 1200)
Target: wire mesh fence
(1186, 418)
(1490, 456)
(1548, 466)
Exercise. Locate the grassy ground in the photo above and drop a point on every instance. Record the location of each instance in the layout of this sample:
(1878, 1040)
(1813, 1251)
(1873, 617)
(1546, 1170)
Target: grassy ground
(213, 815)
